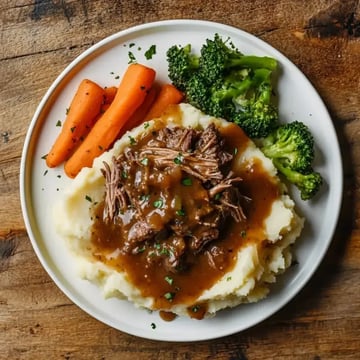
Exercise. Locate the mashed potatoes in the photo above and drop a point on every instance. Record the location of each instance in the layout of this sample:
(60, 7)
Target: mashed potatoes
(260, 257)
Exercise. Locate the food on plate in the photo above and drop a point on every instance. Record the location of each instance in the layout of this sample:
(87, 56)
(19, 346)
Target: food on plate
(135, 84)
(223, 82)
(168, 95)
(184, 214)
(291, 148)
(81, 115)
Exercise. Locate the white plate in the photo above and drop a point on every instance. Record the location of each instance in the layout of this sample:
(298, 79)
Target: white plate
(40, 187)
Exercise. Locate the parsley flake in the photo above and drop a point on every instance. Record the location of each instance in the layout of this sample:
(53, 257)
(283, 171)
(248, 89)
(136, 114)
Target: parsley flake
(169, 296)
(158, 203)
(88, 198)
(132, 58)
(145, 161)
(195, 308)
(169, 280)
(150, 52)
(180, 212)
(58, 123)
(179, 159)
(186, 182)
(132, 140)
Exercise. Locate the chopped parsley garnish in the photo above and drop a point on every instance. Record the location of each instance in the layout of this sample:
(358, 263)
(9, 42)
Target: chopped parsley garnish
(124, 175)
(132, 58)
(149, 53)
(144, 197)
(217, 196)
(186, 182)
(169, 296)
(158, 203)
(195, 308)
(140, 250)
(153, 325)
(179, 159)
(132, 140)
(243, 233)
(169, 280)
(88, 198)
(58, 123)
(131, 45)
(145, 161)
(45, 172)
(180, 212)
(44, 157)
(146, 125)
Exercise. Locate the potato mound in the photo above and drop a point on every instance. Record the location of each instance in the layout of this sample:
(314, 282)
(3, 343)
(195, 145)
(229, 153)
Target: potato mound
(257, 262)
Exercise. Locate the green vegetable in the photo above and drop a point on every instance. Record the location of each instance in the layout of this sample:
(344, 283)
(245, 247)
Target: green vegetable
(181, 65)
(149, 53)
(169, 296)
(223, 82)
(291, 148)
(292, 144)
(158, 203)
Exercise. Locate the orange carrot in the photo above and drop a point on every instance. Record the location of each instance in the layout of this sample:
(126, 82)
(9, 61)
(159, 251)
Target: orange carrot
(109, 94)
(131, 93)
(84, 107)
(168, 95)
(139, 115)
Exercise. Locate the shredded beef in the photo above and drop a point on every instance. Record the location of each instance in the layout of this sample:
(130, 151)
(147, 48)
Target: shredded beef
(136, 179)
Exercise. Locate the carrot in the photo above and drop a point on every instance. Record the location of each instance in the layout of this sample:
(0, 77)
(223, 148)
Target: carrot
(109, 94)
(84, 107)
(168, 95)
(131, 93)
(139, 115)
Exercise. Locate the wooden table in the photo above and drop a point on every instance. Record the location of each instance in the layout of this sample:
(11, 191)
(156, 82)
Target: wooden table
(38, 39)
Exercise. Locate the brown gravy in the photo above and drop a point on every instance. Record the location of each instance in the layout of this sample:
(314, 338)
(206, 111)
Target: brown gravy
(208, 266)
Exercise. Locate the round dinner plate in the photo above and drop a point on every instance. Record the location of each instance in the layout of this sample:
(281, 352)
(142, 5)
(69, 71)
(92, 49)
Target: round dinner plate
(104, 63)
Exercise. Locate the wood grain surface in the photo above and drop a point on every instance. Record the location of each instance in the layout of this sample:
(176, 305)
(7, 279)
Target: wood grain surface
(38, 39)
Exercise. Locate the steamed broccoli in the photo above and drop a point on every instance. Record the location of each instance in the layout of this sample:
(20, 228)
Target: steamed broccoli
(291, 148)
(219, 57)
(182, 64)
(225, 83)
(292, 144)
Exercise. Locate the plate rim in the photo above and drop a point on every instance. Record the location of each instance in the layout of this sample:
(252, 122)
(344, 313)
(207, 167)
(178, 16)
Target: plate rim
(25, 164)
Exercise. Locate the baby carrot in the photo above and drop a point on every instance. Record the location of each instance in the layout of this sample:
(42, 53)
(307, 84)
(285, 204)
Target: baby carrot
(109, 94)
(139, 115)
(168, 95)
(84, 107)
(131, 92)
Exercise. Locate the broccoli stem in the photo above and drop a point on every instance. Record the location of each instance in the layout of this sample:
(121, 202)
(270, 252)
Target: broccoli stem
(253, 62)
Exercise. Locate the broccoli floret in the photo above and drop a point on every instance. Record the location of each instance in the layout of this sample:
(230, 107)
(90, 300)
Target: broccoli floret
(219, 57)
(181, 65)
(292, 144)
(223, 82)
(291, 148)
(254, 111)
(308, 184)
